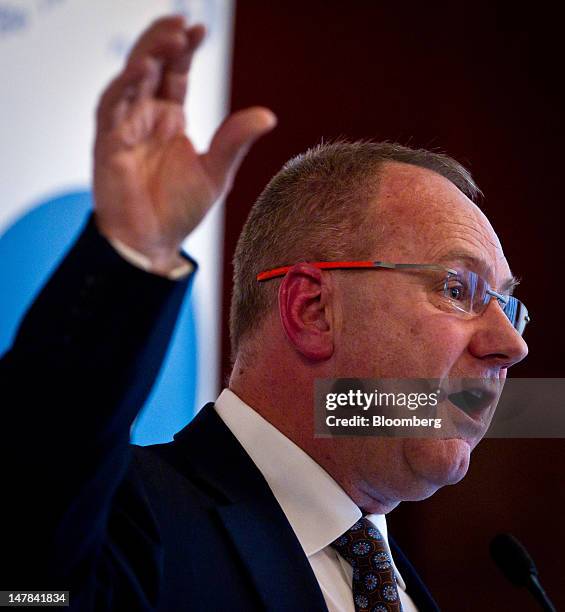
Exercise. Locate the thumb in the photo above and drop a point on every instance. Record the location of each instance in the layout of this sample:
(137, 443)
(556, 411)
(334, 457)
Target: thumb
(231, 142)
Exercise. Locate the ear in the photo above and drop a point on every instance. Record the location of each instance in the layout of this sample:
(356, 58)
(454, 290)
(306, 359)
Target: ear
(305, 311)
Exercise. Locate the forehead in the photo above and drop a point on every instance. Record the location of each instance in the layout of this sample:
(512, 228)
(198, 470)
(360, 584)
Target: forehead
(424, 218)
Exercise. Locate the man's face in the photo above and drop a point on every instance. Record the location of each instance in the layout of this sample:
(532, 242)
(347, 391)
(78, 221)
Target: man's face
(391, 328)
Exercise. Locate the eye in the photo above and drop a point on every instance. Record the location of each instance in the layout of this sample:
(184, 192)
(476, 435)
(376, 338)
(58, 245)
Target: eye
(455, 289)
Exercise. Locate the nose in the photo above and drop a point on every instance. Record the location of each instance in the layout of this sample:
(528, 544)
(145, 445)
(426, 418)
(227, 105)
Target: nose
(495, 339)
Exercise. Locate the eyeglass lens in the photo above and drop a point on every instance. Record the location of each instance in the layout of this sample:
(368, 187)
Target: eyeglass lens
(470, 292)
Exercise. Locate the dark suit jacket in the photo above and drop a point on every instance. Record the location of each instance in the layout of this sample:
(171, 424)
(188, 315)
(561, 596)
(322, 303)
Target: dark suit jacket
(188, 525)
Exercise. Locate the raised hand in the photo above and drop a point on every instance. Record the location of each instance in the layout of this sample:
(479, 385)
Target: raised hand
(151, 188)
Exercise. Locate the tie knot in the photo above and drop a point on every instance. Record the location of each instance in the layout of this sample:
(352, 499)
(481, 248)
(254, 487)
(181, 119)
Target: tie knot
(374, 583)
(363, 544)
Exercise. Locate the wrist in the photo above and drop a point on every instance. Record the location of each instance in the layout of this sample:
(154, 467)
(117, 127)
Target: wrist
(164, 261)
(171, 267)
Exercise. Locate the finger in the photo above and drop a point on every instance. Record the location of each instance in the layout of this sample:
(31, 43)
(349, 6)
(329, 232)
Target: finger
(123, 91)
(160, 38)
(137, 126)
(171, 43)
(157, 61)
(232, 141)
(175, 71)
(165, 51)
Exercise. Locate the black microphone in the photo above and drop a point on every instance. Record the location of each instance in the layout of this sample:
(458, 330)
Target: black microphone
(517, 565)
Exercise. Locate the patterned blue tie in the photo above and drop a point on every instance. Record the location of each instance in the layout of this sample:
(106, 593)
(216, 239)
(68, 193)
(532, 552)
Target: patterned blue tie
(374, 583)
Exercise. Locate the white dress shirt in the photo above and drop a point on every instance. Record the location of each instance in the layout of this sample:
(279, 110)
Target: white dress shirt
(317, 508)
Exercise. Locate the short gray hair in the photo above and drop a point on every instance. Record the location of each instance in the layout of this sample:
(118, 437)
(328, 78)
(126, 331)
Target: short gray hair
(312, 210)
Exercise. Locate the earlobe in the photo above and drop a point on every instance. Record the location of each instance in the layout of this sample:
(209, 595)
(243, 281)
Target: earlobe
(304, 310)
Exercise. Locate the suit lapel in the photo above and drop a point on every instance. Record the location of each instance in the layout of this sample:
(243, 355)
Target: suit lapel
(278, 567)
(248, 510)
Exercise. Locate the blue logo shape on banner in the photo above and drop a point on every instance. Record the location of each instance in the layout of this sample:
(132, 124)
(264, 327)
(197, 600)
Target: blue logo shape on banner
(31, 249)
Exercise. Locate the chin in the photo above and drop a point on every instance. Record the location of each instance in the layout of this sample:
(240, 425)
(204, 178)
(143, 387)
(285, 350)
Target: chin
(437, 463)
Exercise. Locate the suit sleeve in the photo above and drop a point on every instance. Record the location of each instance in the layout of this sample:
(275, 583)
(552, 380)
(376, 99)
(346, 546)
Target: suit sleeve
(83, 362)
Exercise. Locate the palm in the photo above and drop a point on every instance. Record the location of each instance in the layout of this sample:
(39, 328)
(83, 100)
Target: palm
(157, 173)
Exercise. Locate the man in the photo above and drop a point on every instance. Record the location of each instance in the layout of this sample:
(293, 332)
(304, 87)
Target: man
(246, 509)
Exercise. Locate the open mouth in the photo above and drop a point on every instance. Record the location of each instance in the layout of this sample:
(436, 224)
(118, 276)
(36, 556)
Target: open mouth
(472, 401)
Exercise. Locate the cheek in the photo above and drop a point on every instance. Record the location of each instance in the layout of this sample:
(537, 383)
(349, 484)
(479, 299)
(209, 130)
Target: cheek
(388, 338)
(439, 340)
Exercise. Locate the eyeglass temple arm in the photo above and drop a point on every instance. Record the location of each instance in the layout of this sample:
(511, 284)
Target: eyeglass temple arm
(349, 265)
(499, 296)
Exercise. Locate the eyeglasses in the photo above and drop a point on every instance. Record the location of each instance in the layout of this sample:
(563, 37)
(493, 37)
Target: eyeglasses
(464, 290)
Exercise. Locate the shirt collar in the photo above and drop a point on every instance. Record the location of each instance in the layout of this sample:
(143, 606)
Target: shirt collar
(303, 489)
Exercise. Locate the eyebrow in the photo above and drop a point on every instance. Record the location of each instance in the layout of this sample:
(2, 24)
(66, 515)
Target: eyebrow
(477, 264)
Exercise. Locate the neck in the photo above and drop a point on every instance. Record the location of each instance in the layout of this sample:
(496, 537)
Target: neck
(276, 392)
